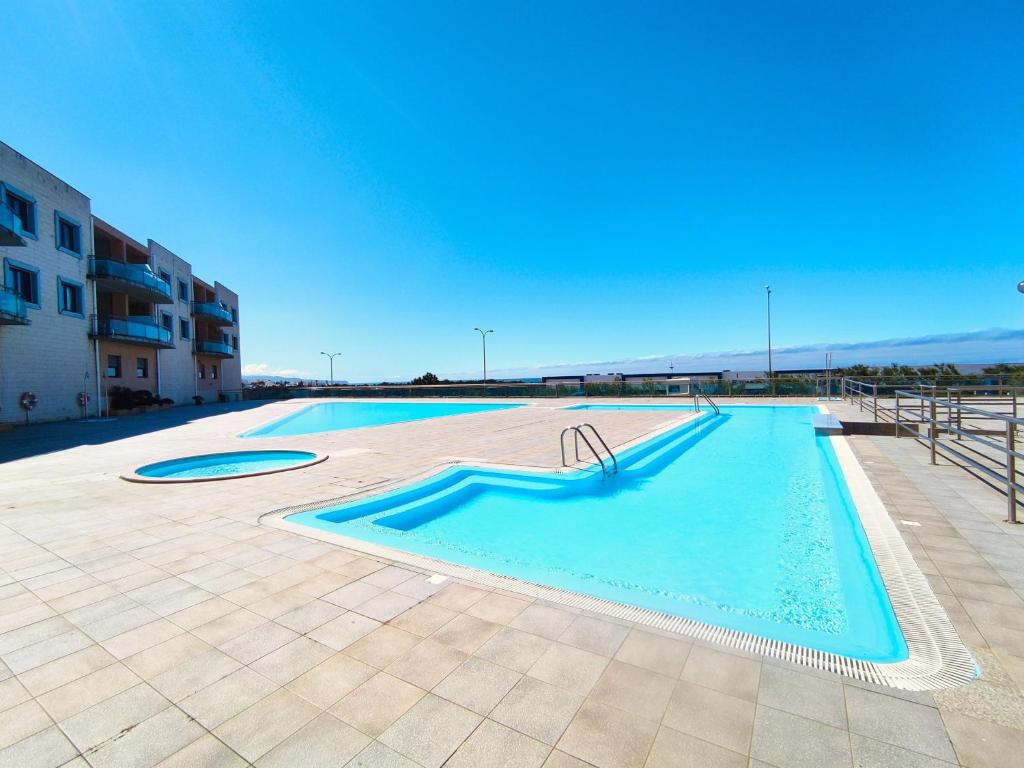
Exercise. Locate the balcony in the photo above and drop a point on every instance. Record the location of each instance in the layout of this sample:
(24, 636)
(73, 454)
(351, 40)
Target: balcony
(131, 330)
(12, 308)
(213, 312)
(214, 349)
(10, 227)
(135, 280)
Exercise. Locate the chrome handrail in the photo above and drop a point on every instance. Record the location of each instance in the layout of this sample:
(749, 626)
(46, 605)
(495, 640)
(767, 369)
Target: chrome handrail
(698, 393)
(597, 434)
(577, 434)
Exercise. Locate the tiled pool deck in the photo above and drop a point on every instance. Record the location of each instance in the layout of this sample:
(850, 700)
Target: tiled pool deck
(146, 625)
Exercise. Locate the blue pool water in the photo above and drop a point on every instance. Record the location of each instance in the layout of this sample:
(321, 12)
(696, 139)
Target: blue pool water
(328, 417)
(225, 464)
(743, 521)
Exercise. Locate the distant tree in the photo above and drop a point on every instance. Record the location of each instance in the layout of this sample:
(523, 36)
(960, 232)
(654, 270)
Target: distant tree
(1003, 368)
(426, 378)
(895, 370)
(934, 371)
(858, 371)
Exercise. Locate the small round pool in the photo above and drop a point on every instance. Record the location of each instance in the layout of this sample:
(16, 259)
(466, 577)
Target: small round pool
(223, 466)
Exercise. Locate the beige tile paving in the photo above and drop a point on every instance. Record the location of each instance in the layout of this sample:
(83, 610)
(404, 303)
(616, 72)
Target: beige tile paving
(430, 731)
(166, 626)
(373, 706)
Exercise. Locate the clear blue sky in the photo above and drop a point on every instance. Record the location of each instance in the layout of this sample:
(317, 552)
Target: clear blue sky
(593, 181)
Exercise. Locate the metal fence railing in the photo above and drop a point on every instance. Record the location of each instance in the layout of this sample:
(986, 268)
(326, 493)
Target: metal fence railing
(975, 427)
(780, 386)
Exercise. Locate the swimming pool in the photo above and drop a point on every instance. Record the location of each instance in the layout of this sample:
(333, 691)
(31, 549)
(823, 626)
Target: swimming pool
(329, 417)
(221, 466)
(741, 521)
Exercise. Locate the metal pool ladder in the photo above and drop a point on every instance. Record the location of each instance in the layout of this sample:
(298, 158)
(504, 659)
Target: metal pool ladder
(579, 432)
(698, 394)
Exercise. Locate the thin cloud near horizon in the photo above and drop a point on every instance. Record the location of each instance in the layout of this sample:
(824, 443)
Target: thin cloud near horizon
(993, 345)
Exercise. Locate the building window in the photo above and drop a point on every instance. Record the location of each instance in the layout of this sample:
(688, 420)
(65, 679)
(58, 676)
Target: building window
(234, 343)
(23, 280)
(68, 234)
(183, 290)
(70, 297)
(202, 370)
(234, 315)
(213, 371)
(225, 339)
(165, 276)
(113, 366)
(142, 367)
(23, 206)
(183, 329)
(167, 321)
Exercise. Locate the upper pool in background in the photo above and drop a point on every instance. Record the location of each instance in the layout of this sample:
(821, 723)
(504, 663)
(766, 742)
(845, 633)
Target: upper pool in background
(330, 417)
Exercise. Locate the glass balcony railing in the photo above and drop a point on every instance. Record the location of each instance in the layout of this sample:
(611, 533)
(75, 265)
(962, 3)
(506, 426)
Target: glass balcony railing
(217, 348)
(136, 274)
(10, 227)
(212, 311)
(13, 310)
(140, 330)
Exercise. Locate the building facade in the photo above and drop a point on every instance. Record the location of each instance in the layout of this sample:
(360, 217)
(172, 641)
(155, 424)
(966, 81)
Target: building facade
(86, 309)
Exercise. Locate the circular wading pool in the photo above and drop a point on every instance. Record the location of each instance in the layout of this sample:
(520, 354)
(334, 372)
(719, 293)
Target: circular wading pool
(223, 466)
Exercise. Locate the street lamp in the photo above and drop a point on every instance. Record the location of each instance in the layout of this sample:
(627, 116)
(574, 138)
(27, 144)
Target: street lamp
(771, 380)
(483, 339)
(331, 357)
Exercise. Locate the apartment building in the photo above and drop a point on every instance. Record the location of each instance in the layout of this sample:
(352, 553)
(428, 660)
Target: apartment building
(85, 308)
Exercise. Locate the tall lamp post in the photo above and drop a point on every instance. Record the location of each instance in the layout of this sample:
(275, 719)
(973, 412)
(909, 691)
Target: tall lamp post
(771, 379)
(483, 339)
(331, 357)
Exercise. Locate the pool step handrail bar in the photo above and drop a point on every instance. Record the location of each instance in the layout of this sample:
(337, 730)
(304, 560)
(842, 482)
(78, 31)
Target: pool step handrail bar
(698, 393)
(615, 461)
(577, 434)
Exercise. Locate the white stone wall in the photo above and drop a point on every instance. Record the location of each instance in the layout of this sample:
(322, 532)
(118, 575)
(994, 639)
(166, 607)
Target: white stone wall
(51, 356)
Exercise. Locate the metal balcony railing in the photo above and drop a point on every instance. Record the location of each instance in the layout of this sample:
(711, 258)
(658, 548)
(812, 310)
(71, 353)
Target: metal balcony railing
(131, 329)
(213, 311)
(136, 274)
(216, 348)
(13, 310)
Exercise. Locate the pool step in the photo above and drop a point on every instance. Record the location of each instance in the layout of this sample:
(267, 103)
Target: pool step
(654, 459)
(440, 501)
